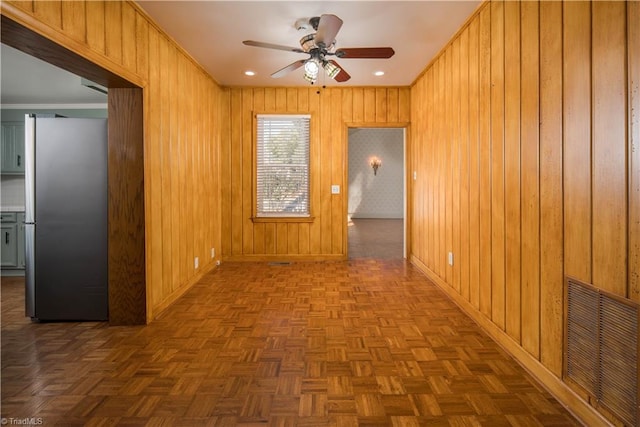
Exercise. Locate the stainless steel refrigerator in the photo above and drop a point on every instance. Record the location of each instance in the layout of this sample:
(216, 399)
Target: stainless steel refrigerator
(66, 218)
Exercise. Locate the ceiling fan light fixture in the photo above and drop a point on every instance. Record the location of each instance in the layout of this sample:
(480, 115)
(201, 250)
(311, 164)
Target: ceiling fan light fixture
(308, 42)
(311, 69)
(331, 69)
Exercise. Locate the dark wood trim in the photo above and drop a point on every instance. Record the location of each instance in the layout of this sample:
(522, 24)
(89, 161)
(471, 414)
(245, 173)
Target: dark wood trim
(127, 294)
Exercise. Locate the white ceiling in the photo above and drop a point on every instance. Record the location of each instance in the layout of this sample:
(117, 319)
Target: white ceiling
(212, 33)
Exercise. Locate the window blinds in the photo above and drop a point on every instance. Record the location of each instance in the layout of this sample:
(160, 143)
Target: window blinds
(282, 165)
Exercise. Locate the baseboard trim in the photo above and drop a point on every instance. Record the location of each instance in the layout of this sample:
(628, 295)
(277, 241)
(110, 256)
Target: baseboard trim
(581, 409)
(157, 311)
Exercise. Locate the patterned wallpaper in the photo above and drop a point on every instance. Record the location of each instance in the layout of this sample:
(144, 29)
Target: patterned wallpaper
(381, 195)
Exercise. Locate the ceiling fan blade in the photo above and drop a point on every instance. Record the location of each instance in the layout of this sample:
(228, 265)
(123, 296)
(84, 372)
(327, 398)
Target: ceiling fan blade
(365, 52)
(342, 76)
(272, 46)
(289, 68)
(328, 28)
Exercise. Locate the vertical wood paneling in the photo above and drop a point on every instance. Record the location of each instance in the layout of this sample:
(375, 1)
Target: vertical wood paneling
(455, 162)
(545, 147)
(609, 180)
(551, 253)
(235, 140)
(448, 164)
(369, 113)
(464, 251)
(154, 185)
(225, 164)
(633, 51)
(577, 139)
(474, 164)
(497, 165)
(49, 12)
(25, 5)
(484, 120)
(316, 164)
(392, 104)
(404, 106)
(441, 172)
(327, 158)
(358, 105)
(512, 167)
(113, 30)
(129, 47)
(142, 41)
(95, 16)
(175, 117)
(530, 180)
(169, 276)
(432, 153)
(381, 105)
(246, 166)
(73, 20)
(338, 219)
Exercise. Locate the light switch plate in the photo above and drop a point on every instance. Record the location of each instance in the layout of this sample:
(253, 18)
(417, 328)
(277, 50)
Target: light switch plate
(335, 189)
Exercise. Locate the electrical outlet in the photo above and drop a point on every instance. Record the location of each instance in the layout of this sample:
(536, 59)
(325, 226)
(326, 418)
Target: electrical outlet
(213, 252)
(196, 263)
(450, 258)
(415, 175)
(335, 189)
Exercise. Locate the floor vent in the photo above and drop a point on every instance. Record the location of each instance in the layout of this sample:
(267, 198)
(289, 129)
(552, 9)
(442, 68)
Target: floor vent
(601, 348)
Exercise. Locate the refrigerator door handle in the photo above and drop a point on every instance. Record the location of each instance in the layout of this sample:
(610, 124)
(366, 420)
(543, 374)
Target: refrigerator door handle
(29, 168)
(6, 237)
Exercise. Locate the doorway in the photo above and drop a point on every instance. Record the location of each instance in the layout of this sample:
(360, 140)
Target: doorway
(376, 209)
(126, 236)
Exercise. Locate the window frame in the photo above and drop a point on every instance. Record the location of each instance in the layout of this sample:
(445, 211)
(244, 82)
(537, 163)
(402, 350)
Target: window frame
(281, 216)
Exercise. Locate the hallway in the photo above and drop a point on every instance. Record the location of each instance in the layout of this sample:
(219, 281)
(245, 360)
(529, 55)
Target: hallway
(360, 342)
(376, 238)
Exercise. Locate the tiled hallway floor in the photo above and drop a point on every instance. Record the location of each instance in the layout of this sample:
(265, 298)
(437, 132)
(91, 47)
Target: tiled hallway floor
(376, 238)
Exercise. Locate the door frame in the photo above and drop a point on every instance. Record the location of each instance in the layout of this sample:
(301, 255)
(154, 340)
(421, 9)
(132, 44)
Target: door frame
(126, 235)
(406, 181)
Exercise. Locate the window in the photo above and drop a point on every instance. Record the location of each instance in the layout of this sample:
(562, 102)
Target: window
(282, 166)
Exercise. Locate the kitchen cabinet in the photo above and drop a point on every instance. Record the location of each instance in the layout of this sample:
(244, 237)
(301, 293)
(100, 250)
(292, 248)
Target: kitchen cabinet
(12, 147)
(12, 240)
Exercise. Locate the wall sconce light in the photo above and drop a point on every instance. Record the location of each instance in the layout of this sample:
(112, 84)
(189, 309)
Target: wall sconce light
(375, 164)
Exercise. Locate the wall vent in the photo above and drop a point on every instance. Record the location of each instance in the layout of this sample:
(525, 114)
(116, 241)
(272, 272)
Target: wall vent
(601, 348)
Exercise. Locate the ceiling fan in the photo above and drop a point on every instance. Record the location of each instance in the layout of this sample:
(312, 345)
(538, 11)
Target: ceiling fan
(320, 46)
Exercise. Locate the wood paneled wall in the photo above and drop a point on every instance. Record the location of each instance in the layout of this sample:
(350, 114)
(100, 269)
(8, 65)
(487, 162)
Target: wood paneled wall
(332, 111)
(526, 145)
(181, 130)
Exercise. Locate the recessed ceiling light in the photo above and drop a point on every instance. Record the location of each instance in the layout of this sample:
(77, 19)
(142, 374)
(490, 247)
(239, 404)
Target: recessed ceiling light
(249, 73)
(378, 73)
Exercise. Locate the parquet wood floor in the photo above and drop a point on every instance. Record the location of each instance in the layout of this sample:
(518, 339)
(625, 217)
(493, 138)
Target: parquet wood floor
(353, 343)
